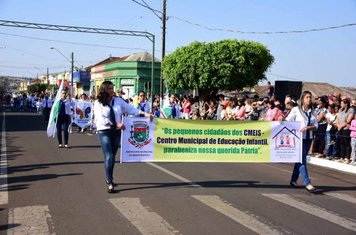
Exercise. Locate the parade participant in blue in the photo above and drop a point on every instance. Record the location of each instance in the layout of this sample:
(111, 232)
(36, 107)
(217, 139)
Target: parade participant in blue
(108, 112)
(174, 106)
(63, 119)
(46, 105)
(143, 105)
(305, 114)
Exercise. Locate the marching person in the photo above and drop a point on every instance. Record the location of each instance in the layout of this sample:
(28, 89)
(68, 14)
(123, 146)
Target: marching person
(143, 105)
(108, 111)
(46, 105)
(305, 114)
(64, 119)
(174, 106)
(83, 98)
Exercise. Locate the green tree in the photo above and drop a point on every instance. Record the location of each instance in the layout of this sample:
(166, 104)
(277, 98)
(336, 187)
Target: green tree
(37, 87)
(226, 65)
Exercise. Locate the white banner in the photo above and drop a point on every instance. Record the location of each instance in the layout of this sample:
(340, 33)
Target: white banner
(83, 113)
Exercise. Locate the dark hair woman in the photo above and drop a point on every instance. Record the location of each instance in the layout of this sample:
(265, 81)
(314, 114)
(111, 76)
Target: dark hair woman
(343, 122)
(305, 114)
(320, 134)
(108, 111)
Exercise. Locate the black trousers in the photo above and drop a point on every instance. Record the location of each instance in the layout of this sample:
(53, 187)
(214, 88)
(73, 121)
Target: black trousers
(320, 135)
(62, 125)
(46, 113)
(345, 143)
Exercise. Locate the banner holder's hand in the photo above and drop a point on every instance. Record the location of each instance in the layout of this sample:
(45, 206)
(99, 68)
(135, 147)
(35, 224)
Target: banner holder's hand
(280, 120)
(148, 115)
(120, 126)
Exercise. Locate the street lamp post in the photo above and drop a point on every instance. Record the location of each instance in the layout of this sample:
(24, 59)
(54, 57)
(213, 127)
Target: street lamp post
(72, 66)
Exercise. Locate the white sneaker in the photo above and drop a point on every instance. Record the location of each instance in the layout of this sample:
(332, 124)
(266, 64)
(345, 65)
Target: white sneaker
(310, 188)
(110, 188)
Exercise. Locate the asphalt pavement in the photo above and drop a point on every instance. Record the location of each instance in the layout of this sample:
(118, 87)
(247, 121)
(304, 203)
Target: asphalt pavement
(47, 190)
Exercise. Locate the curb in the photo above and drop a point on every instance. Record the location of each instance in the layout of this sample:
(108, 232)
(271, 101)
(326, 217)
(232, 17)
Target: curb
(332, 164)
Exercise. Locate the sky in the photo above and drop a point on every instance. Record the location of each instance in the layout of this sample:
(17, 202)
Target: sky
(321, 56)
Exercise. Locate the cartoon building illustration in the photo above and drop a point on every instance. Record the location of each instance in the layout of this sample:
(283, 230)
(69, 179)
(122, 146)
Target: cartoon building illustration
(285, 138)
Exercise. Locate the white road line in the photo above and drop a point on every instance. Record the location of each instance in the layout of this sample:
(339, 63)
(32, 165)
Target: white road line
(247, 220)
(30, 220)
(174, 175)
(4, 196)
(89, 134)
(342, 196)
(314, 210)
(143, 218)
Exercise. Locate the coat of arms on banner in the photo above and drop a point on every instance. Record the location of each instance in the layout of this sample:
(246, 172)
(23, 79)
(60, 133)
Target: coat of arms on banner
(139, 134)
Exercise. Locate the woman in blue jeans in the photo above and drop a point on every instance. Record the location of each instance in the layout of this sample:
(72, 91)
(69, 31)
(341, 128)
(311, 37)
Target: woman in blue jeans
(108, 111)
(305, 114)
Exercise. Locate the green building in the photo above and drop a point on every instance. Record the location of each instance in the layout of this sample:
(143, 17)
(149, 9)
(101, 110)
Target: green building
(131, 73)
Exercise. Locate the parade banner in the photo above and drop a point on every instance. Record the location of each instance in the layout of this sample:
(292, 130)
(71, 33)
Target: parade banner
(178, 140)
(83, 113)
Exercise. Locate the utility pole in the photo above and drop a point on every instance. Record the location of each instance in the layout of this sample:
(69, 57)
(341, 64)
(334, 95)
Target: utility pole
(164, 18)
(47, 75)
(72, 62)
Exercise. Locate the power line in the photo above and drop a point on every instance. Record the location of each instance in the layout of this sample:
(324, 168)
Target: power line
(265, 32)
(241, 31)
(73, 43)
(282, 76)
(23, 67)
(145, 5)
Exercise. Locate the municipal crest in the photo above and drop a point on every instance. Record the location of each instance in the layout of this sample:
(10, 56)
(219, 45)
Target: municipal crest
(139, 134)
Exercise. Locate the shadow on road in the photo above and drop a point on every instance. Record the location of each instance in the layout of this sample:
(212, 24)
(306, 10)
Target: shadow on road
(14, 182)
(233, 184)
(15, 169)
(8, 226)
(25, 122)
(84, 146)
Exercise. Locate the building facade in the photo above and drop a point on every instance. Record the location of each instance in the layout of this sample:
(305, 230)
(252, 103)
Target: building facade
(131, 73)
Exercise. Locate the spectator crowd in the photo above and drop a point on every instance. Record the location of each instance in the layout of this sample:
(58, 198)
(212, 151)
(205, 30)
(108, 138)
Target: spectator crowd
(334, 139)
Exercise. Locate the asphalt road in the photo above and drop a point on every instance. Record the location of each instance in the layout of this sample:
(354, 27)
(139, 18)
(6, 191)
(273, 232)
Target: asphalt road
(62, 191)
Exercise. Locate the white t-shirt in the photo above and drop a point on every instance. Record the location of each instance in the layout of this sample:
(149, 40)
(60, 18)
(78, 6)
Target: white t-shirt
(332, 118)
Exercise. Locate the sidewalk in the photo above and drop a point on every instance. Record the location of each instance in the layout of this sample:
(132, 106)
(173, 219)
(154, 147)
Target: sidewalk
(332, 164)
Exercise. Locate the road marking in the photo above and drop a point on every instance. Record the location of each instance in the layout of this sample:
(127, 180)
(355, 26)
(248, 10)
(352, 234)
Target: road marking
(89, 134)
(314, 210)
(4, 195)
(174, 175)
(247, 220)
(30, 220)
(342, 196)
(143, 218)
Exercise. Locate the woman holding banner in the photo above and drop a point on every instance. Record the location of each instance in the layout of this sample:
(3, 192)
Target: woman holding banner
(108, 111)
(305, 114)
